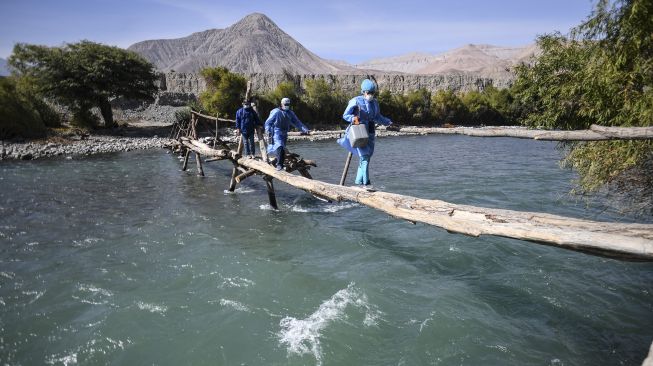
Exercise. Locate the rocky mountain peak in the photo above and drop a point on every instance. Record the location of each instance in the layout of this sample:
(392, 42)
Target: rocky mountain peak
(254, 44)
(255, 21)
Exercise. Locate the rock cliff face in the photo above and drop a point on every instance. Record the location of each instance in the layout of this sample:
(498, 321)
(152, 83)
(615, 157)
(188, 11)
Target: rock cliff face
(176, 89)
(189, 83)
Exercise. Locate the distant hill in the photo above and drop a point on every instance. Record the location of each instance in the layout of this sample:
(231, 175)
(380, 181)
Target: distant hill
(4, 67)
(486, 60)
(255, 44)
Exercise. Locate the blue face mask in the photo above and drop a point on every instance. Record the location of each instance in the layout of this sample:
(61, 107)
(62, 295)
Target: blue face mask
(285, 107)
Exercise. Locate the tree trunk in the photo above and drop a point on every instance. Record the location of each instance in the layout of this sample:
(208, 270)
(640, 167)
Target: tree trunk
(107, 113)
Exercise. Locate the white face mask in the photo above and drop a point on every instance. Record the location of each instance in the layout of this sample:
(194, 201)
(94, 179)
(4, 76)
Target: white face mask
(369, 97)
(246, 106)
(285, 107)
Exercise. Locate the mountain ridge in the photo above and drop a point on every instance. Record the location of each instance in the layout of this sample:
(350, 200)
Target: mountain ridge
(481, 59)
(253, 44)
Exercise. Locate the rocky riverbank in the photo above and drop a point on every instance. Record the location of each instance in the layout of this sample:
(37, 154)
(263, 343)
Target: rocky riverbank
(137, 135)
(146, 135)
(77, 147)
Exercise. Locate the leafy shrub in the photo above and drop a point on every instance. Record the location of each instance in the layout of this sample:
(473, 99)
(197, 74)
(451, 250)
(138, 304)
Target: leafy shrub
(18, 117)
(183, 116)
(225, 91)
(447, 107)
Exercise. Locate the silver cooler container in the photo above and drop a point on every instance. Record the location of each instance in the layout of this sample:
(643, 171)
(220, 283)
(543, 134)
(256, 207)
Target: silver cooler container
(358, 135)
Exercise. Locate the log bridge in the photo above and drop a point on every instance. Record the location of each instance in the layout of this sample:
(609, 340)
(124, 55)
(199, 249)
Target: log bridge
(632, 242)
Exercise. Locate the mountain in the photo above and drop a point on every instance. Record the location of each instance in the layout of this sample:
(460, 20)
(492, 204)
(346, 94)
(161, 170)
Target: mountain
(485, 60)
(255, 44)
(4, 67)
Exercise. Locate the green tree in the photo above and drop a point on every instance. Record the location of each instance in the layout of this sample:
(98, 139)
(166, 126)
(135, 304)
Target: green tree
(85, 75)
(17, 117)
(225, 91)
(272, 99)
(418, 105)
(394, 106)
(447, 107)
(324, 105)
(602, 73)
(480, 109)
(502, 101)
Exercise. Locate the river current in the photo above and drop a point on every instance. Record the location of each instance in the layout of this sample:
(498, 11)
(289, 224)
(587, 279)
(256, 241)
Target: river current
(125, 259)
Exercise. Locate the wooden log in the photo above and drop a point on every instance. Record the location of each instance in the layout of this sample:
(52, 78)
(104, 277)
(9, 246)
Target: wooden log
(239, 149)
(615, 240)
(629, 133)
(584, 135)
(212, 118)
(204, 149)
(193, 127)
(234, 174)
(263, 146)
(185, 166)
(346, 169)
(595, 133)
(271, 195)
(304, 173)
(242, 176)
(198, 160)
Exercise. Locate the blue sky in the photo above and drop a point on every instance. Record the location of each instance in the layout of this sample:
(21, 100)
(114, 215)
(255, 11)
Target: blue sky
(353, 31)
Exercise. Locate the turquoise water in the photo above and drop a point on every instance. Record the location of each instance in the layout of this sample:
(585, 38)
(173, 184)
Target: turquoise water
(124, 259)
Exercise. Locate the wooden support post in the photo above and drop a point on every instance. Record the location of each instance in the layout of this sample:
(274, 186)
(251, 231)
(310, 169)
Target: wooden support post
(304, 172)
(271, 195)
(193, 128)
(344, 172)
(239, 149)
(186, 154)
(234, 174)
(198, 160)
(263, 146)
(216, 132)
(245, 174)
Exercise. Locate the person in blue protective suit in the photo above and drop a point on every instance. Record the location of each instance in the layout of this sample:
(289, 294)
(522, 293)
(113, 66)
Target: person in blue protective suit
(247, 121)
(365, 108)
(276, 128)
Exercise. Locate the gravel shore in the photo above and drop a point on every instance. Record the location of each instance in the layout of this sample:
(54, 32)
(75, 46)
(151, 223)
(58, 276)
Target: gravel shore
(139, 136)
(87, 146)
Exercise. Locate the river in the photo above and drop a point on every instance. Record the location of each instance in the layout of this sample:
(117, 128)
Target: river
(124, 259)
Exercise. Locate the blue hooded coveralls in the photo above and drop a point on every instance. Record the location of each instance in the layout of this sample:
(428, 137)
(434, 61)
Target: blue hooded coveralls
(246, 121)
(368, 114)
(276, 127)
